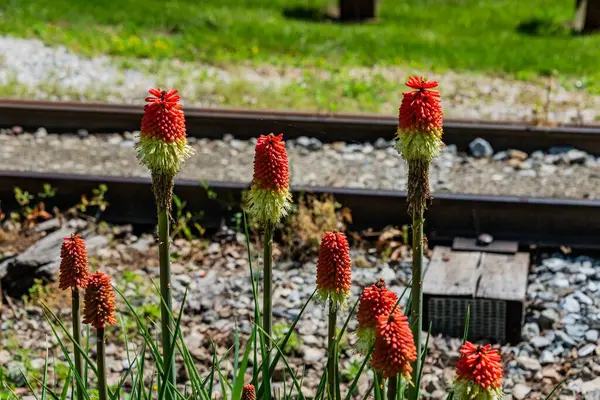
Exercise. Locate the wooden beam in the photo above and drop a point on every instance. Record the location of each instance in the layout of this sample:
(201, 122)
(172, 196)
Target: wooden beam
(357, 10)
(587, 17)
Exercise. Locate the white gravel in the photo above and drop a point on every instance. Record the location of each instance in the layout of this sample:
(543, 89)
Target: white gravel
(56, 73)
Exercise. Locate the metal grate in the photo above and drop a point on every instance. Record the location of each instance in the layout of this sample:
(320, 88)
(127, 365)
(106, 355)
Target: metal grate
(488, 317)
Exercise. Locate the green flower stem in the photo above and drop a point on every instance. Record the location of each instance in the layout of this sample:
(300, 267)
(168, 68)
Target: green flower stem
(392, 388)
(101, 361)
(417, 297)
(166, 303)
(268, 301)
(332, 351)
(75, 315)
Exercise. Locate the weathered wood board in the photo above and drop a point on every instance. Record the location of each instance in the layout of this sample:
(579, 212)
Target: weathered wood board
(494, 285)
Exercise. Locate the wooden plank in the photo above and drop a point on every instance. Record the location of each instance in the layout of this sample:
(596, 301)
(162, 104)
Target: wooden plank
(357, 10)
(503, 276)
(451, 273)
(587, 17)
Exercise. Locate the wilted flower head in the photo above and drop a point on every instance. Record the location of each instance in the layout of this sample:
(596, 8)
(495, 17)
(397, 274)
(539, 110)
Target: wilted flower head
(163, 144)
(74, 270)
(420, 120)
(394, 349)
(478, 373)
(99, 301)
(375, 300)
(270, 197)
(334, 273)
(249, 393)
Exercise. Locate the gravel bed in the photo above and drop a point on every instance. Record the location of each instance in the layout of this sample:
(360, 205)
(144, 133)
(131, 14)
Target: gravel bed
(35, 70)
(560, 334)
(555, 172)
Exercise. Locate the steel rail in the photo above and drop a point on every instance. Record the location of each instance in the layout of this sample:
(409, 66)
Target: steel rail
(243, 124)
(528, 220)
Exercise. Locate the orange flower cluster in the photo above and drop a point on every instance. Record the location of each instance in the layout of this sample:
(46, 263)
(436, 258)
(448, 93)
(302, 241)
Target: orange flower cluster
(99, 301)
(74, 270)
(420, 109)
(480, 365)
(271, 170)
(249, 393)
(375, 300)
(334, 267)
(394, 345)
(163, 117)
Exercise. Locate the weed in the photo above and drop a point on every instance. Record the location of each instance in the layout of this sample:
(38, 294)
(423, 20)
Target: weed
(294, 343)
(311, 217)
(184, 221)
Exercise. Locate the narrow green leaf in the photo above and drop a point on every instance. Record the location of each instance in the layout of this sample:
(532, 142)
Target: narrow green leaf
(555, 389)
(239, 379)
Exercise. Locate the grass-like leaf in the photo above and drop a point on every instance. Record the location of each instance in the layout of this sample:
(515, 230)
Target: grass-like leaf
(238, 385)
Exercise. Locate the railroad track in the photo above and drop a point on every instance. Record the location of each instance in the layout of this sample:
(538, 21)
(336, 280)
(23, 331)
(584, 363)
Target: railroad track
(244, 124)
(528, 221)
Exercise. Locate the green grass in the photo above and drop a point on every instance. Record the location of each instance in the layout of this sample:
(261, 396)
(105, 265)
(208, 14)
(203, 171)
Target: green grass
(525, 38)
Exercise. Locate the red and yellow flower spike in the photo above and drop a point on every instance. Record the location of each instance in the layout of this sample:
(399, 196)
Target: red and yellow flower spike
(74, 271)
(163, 144)
(334, 275)
(420, 119)
(99, 301)
(478, 373)
(270, 198)
(248, 393)
(375, 300)
(394, 349)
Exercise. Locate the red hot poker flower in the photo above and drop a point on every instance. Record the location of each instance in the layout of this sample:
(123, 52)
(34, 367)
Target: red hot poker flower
(271, 170)
(270, 197)
(74, 270)
(421, 109)
(334, 267)
(163, 117)
(249, 393)
(99, 301)
(394, 345)
(480, 365)
(375, 300)
(420, 120)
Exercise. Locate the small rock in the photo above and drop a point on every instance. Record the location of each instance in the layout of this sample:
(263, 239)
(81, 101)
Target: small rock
(82, 133)
(548, 318)
(591, 335)
(48, 225)
(529, 364)
(517, 154)
(570, 304)
(501, 156)
(586, 350)
(520, 391)
(313, 354)
(530, 330)
(481, 148)
(576, 331)
(575, 156)
(41, 133)
(547, 357)
(539, 342)
(590, 387)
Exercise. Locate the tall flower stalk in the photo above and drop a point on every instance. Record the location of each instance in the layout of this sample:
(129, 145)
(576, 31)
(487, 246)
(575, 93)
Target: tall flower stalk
(163, 148)
(268, 201)
(334, 277)
(419, 140)
(74, 274)
(99, 311)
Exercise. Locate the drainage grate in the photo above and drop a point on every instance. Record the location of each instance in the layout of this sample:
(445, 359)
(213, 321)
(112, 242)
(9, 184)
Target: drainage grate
(488, 317)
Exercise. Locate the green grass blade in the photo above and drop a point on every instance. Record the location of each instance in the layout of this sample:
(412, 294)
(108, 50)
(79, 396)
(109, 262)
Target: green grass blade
(555, 389)
(467, 320)
(236, 351)
(285, 340)
(66, 354)
(87, 351)
(238, 385)
(358, 375)
(45, 376)
(29, 385)
(423, 356)
(378, 395)
(65, 391)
